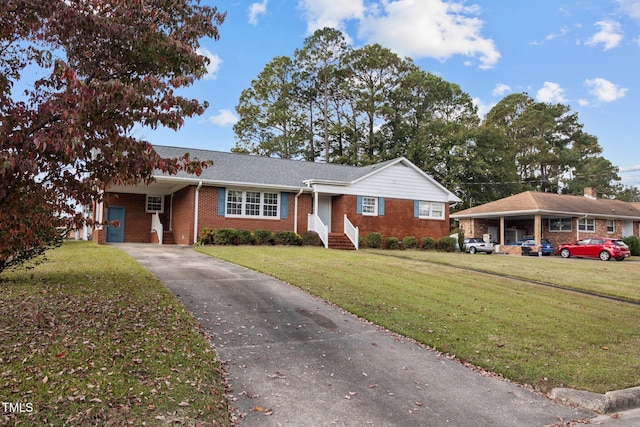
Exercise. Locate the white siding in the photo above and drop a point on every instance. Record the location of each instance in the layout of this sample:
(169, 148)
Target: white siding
(397, 181)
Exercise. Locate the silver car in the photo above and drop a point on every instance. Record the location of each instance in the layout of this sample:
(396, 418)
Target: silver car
(474, 245)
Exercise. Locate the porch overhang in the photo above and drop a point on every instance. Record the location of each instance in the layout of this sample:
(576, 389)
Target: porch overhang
(165, 185)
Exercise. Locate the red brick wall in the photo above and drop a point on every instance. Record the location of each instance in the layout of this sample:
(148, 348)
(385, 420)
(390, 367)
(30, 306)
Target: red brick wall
(183, 205)
(208, 214)
(397, 221)
(137, 223)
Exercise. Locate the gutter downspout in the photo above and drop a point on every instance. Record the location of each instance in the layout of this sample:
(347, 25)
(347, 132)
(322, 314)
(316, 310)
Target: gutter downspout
(295, 211)
(195, 214)
(578, 226)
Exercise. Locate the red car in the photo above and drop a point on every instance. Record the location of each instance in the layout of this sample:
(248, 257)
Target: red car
(596, 247)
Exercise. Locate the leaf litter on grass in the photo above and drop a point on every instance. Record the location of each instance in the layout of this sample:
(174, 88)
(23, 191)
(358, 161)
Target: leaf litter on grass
(105, 349)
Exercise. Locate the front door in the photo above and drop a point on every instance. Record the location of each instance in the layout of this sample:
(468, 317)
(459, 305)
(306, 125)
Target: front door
(324, 211)
(115, 234)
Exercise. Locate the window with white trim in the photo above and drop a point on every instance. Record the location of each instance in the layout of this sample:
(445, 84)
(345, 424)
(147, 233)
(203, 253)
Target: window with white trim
(560, 224)
(431, 210)
(252, 204)
(234, 203)
(154, 204)
(587, 224)
(369, 206)
(270, 205)
(611, 226)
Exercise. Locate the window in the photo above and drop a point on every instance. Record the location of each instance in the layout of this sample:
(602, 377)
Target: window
(270, 205)
(560, 224)
(586, 224)
(369, 206)
(155, 204)
(431, 210)
(254, 204)
(611, 226)
(234, 202)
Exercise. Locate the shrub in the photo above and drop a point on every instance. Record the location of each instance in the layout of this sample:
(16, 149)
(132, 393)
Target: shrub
(373, 240)
(311, 238)
(263, 237)
(634, 244)
(392, 243)
(447, 244)
(428, 243)
(245, 237)
(287, 238)
(410, 242)
(207, 236)
(461, 241)
(227, 236)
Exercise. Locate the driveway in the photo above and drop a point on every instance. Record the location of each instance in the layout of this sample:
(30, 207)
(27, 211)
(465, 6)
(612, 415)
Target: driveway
(293, 359)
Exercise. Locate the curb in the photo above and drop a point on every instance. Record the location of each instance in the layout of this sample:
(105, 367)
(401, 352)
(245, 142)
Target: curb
(612, 401)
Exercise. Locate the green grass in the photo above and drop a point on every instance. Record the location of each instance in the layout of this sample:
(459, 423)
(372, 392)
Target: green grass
(91, 338)
(531, 334)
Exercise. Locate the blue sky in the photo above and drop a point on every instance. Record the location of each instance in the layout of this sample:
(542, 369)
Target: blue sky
(584, 53)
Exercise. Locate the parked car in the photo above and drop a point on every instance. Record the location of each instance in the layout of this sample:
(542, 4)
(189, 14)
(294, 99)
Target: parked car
(596, 247)
(546, 247)
(474, 245)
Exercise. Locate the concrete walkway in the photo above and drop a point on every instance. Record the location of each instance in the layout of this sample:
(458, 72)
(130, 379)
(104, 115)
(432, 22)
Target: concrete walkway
(293, 359)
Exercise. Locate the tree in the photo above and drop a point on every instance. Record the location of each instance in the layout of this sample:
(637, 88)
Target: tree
(272, 120)
(431, 123)
(551, 151)
(103, 67)
(320, 65)
(374, 72)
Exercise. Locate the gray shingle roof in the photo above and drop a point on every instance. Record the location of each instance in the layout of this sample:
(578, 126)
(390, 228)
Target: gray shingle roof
(243, 168)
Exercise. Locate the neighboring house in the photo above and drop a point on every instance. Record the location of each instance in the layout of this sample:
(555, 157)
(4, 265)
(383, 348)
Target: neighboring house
(559, 218)
(394, 198)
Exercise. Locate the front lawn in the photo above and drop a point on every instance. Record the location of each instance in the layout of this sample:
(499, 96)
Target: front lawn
(91, 338)
(529, 333)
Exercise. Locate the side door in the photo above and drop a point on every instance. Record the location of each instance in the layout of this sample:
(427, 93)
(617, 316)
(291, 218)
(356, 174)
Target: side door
(115, 234)
(581, 248)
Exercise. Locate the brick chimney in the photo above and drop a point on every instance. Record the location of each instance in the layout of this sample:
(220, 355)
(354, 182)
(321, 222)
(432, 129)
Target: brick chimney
(590, 193)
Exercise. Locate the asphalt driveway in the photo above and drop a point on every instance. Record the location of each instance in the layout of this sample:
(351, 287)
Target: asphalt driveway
(293, 359)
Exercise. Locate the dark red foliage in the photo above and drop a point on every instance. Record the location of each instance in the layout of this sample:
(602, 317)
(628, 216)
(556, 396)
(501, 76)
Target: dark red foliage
(103, 66)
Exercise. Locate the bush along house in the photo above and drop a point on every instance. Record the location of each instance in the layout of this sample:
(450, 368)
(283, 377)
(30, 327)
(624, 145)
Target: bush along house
(394, 198)
(558, 218)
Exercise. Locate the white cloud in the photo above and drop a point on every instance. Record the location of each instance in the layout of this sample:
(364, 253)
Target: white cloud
(214, 63)
(429, 28)
(255, 10)
(631, 8)
(330, 13)
(501, 89)
(604, 90)
(610, 35)
(426, 28)
(551, 93)
(483, 108)
(223, 118)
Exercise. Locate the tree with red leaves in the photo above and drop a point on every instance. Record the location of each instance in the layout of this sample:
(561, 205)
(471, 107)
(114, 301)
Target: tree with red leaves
(102, 67)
